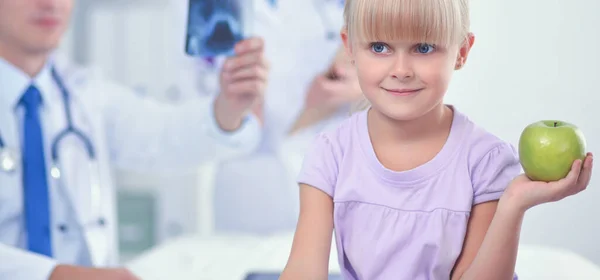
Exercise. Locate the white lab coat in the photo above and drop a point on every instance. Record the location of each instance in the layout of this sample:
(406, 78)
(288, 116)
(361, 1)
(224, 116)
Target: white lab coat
(127, 132)
(258, 193)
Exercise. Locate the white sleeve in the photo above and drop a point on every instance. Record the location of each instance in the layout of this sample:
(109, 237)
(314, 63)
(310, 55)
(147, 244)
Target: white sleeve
(19, 264)
(144, 134)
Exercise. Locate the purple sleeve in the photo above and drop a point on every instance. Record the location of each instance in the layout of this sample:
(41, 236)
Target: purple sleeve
(320, 166)
(494, 172)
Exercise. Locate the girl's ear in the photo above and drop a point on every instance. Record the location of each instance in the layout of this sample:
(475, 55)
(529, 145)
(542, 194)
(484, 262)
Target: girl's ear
(464, 50)
(347, 43)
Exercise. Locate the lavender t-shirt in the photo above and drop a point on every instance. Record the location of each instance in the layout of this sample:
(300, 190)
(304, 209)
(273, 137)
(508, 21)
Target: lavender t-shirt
(406, 225)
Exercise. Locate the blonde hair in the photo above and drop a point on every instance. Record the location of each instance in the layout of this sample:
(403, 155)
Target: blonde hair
(438, 22)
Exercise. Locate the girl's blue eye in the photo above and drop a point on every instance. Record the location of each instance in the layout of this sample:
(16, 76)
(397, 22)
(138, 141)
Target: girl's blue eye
(425, 48)
(378, 47)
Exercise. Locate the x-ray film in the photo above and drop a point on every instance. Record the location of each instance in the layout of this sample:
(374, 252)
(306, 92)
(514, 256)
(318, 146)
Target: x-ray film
(215, 26)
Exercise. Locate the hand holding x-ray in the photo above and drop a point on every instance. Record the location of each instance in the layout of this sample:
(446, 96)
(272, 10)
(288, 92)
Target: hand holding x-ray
(243, 81)
(218, 28)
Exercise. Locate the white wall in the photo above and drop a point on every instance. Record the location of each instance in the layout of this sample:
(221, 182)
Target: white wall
(537, 60)
(532, 60)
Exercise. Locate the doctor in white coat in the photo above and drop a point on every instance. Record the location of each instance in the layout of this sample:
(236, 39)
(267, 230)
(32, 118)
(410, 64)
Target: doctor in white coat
(63, 129)
(258, 193)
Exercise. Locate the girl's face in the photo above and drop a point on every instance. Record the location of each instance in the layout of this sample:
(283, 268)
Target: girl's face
(405, 80)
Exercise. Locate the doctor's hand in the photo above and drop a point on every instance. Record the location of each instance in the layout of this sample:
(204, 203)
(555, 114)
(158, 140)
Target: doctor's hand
(336, 87)
(67, 272)
(243, 81)
(328, 92)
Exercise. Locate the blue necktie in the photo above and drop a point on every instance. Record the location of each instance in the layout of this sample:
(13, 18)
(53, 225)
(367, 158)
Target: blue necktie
(35, 184)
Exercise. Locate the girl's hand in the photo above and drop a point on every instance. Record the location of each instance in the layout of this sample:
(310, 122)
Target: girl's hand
(524, 193)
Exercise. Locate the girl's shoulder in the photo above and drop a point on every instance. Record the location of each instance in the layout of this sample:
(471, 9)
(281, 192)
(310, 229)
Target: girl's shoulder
(322, 163)
(478, 142)
(488, 155)
(491, 161)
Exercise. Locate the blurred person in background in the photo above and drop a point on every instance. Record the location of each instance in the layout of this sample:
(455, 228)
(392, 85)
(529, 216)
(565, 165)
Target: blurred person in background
(311, 87)
(57, 216)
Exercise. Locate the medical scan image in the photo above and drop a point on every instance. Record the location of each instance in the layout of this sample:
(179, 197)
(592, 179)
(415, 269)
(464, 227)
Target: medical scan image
(214, 27)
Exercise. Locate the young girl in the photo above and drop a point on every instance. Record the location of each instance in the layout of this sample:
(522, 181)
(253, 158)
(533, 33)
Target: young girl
(412, 187)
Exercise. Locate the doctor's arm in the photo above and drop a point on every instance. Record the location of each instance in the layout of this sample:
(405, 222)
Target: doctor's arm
(19, 264)
(144, 134)
(16, 263)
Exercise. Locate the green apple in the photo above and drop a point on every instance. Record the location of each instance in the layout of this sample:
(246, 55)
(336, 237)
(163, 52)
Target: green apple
(548, 148)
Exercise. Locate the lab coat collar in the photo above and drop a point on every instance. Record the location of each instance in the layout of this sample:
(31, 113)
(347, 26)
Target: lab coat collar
(14, 82)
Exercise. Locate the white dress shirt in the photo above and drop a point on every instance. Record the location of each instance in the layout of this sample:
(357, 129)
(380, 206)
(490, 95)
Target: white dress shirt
(127, 132)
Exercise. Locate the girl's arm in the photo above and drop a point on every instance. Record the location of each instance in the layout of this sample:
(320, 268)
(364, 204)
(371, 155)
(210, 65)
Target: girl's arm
(309, 257)
(491, 245)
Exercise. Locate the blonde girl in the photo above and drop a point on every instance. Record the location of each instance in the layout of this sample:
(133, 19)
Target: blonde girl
(411, 187)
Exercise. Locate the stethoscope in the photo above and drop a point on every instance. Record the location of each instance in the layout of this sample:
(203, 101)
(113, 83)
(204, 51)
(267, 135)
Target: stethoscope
(9, 158)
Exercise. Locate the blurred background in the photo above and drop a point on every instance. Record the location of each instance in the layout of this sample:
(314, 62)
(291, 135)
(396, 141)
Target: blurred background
(140, 44)
(532, 60)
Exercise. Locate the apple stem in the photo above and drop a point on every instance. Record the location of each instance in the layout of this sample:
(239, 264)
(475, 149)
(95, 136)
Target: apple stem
(555, 124)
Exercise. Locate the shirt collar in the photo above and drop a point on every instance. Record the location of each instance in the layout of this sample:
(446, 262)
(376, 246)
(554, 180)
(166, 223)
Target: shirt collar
(14, 82)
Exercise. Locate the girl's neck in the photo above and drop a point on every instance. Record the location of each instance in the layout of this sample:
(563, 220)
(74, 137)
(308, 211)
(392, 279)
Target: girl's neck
(392, 131)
